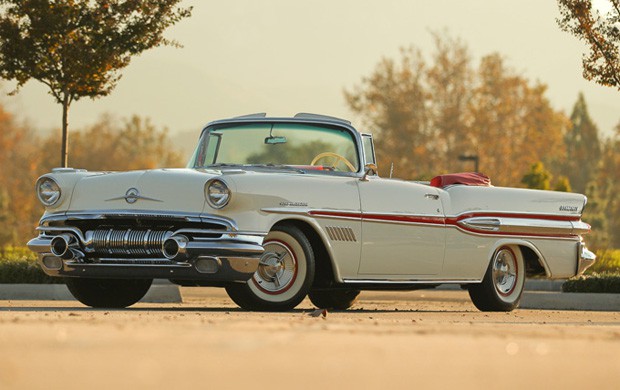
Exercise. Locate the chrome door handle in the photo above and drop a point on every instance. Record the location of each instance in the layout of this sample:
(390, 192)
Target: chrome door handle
(431, 196)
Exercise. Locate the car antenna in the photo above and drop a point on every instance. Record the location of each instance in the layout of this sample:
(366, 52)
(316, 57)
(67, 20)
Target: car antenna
(391, 169)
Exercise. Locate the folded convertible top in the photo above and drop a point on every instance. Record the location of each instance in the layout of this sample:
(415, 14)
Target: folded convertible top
(464, 178)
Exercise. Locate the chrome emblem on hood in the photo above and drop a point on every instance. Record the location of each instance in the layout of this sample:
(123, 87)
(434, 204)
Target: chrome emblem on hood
(132, 195)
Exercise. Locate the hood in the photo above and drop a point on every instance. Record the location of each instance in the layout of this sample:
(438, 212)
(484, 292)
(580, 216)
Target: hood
(180, 190)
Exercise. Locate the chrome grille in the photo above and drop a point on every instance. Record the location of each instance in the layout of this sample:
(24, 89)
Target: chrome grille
(128, 241)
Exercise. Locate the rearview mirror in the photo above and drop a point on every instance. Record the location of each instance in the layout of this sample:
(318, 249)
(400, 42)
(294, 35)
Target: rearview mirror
(275, 140)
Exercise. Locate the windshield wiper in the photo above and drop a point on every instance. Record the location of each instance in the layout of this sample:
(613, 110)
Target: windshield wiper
(220, 165)
(278, 166)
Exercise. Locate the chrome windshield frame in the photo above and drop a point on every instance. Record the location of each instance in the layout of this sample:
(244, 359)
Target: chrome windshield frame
(316, 121)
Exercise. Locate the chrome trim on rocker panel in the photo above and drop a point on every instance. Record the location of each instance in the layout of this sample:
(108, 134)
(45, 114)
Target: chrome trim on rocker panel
(407, 281)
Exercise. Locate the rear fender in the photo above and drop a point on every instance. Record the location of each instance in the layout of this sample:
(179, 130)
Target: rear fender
(520, 243)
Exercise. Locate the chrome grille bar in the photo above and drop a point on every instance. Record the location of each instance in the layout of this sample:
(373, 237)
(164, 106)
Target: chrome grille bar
(135, 242)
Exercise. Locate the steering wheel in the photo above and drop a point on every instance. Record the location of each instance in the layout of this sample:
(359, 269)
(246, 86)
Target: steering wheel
(337, 158)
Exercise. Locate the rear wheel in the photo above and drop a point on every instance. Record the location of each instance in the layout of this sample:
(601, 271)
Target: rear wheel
(503, 282)
(108, 293)
(284, 276)
(333, 299)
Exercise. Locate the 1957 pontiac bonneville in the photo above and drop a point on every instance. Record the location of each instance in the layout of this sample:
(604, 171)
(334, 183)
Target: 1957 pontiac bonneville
(275, 209)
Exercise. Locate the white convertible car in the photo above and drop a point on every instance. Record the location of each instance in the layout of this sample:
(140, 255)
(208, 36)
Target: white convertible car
(275, 209)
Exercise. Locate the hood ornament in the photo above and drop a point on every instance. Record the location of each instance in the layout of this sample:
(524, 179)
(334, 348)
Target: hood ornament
(132, 195)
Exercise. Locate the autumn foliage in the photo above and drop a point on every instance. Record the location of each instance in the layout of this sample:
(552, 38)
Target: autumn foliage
(427, 112)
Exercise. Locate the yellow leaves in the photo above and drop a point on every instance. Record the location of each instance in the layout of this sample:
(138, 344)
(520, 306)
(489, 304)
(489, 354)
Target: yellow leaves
(426, 114)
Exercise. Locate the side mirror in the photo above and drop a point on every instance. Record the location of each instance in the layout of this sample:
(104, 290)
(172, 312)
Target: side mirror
(369, 169)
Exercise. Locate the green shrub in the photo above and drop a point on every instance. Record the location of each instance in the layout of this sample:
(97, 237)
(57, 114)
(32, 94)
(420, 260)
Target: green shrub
(595, 283)
(607, 261)
(19, 265)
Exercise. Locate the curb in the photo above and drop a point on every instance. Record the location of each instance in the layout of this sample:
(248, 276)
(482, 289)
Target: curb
(544, 285)
(158, 293)
(541, 300)
(547, 295)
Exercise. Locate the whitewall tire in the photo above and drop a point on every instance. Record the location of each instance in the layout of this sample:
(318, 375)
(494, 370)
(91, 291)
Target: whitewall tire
(503, 282)
(284, 275)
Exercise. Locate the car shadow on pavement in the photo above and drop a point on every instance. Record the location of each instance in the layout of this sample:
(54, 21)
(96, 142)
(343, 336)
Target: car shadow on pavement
(202, 309)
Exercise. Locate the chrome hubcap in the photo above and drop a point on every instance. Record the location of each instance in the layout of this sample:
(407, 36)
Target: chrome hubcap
(277, 268)
(505, 271)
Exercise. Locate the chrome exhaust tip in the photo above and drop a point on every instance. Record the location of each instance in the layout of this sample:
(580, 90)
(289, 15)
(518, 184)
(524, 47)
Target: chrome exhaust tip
(62, 246)
(175, 248)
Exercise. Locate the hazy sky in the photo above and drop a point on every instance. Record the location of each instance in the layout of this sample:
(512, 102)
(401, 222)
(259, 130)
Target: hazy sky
(288, 56)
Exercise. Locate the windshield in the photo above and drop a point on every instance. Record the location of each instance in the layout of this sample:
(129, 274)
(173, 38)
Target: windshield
(298, 146)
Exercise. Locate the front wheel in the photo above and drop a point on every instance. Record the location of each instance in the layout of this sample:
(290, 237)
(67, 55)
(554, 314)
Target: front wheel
(284, 276)
(503, 282)
(108, 293)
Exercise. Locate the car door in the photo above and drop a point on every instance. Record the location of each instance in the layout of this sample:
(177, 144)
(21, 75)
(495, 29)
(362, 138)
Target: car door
(403, 229)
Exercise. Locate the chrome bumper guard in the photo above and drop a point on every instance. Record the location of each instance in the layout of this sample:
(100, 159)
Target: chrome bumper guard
(586, 258)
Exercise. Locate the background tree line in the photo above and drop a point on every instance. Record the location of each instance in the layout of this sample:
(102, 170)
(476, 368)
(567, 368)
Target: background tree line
(425, 112)
(109, 144)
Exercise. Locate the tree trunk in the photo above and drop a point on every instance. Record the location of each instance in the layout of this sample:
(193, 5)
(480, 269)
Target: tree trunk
(65, 133)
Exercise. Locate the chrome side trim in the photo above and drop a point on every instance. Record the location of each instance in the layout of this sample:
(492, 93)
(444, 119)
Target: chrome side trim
(285, 210)
(410, 281)
(524, 226)
(486, 224)
(580, 227)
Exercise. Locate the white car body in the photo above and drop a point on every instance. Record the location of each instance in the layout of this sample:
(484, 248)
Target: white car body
(364, 231)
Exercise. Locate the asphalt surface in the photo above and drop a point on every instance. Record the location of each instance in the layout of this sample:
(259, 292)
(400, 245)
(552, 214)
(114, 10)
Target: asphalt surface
(393, 340)
(539, 294)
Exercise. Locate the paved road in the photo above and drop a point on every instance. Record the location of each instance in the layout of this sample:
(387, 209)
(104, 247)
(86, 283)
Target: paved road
(388, 340)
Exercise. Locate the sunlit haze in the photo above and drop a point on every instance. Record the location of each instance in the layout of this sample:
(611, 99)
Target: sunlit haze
(283, 57)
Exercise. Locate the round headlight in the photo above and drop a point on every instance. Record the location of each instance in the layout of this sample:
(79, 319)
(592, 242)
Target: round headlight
(48, 191)
(217, 193)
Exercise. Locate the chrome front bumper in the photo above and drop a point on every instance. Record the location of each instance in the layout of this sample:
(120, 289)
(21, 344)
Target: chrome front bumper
(204, 270)
(585, 258)
(206, 255)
